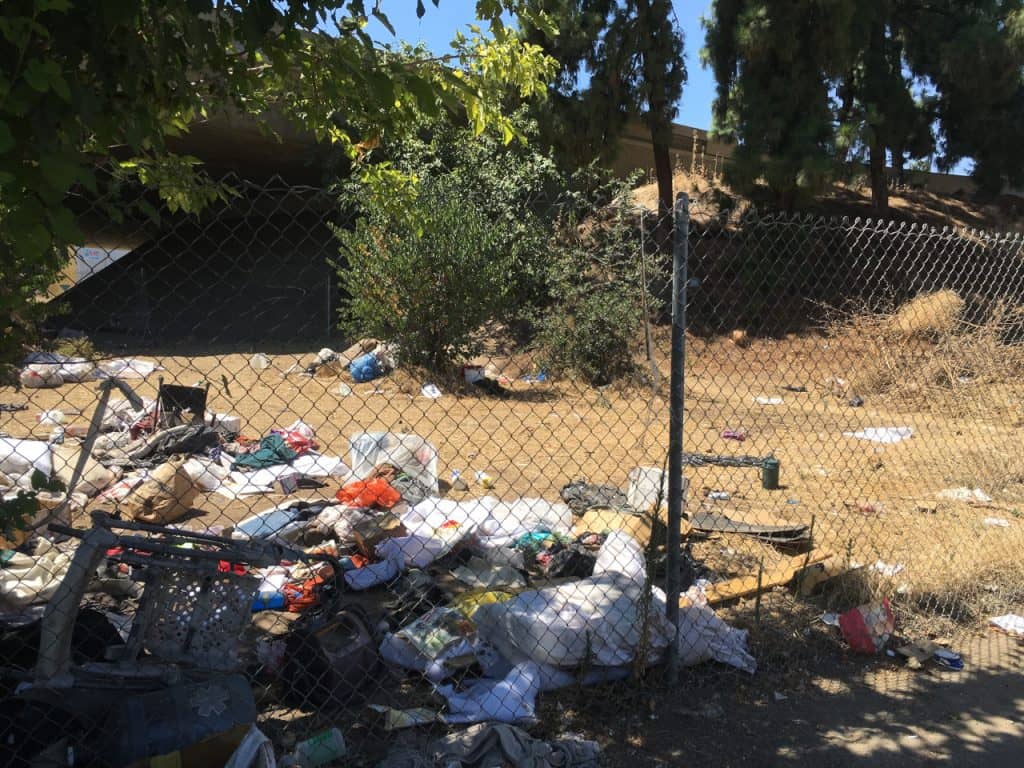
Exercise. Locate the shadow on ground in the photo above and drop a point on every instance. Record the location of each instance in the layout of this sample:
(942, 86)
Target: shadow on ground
(839, 712)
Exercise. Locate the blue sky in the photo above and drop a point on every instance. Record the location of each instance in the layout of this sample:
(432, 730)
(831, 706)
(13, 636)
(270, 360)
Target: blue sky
(439, 24)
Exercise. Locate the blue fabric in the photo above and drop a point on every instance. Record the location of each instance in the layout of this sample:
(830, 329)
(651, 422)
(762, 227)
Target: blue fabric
(365, 368)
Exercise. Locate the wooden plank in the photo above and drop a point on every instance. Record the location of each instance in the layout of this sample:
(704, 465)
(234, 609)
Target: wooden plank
(781, 573)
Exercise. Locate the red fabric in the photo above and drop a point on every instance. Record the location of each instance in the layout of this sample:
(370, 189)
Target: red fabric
(868, 627)
(302, 597)
(223, 566)
(369, 493)
(297, 441)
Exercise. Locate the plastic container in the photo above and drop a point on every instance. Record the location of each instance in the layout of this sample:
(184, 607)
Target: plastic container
(326, 747)
(225, 422)
(770, 474)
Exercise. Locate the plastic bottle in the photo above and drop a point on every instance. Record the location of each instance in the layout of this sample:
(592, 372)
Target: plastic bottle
(325, 747)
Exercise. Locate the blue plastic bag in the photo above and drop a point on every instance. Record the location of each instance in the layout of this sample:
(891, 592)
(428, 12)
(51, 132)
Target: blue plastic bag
(365, 368)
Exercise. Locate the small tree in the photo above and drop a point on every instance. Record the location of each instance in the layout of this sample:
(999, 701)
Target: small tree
(427, 283)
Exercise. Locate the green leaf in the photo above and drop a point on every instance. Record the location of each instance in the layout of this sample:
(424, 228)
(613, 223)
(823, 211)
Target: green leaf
(424, 93)
(6, 138)
(37, 75)
(60, 171)
(52, 5)
(64, 226)
(379, 16)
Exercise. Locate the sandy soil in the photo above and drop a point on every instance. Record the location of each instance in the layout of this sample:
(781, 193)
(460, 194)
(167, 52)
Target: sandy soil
(867, 502)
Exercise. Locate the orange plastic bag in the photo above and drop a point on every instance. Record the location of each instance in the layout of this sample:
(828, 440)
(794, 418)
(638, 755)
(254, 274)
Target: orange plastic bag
(369, 493)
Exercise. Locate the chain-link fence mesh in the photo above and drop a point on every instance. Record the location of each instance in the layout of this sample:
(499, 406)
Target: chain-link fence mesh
(237, 513)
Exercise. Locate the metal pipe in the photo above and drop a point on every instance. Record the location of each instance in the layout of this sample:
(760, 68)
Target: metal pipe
(673, 541)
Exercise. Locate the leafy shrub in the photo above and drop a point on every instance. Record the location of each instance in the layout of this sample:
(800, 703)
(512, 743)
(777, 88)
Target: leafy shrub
(597, 298)
(426, 284)
(472, 248)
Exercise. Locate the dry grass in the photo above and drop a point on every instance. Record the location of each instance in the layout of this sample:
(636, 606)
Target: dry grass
(928, 314)
(925, 356)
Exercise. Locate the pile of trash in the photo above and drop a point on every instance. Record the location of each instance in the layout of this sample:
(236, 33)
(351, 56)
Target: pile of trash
(487, 602)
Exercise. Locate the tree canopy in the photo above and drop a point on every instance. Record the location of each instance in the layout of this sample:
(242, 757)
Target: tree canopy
(91, 89)
(805, 86)
(617, 59)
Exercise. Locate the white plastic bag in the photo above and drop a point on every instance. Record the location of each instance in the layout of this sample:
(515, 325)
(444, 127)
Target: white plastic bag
(76, 371)
(20, 458)
(409, 453)
(41, 376)
(208, 475)
(703, 636)
(511, 700)
(621, 554)
(598, 620)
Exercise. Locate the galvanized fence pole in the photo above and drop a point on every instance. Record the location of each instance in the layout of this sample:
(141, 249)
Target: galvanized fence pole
(673, 540)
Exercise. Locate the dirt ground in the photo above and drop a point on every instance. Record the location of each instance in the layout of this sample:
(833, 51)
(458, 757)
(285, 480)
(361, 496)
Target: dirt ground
(869, 504)
(843, 712)
(875, 507)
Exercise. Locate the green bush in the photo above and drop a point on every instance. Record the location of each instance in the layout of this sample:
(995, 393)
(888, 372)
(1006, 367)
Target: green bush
(595, 315)
(427, 285)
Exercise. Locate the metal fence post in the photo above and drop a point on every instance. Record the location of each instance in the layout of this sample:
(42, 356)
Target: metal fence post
(673, 540)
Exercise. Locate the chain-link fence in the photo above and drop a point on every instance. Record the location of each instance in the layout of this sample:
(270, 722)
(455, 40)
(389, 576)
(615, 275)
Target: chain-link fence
(238, 514)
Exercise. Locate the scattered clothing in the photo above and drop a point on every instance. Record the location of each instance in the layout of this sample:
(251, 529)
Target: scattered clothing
(510, 700)
(884, 435)
(581, 496)
(273, 450)
(412, 490)
(491, 744)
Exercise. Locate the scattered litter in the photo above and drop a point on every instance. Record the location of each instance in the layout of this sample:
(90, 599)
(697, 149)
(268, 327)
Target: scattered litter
(255, 751)
(766, 400)
(948, 659)
(536, 378)
(1012, 623)
(794, 388)
(259, 362)
(510, 700)
(832, 619)
(323, 748)
(793, 502)
(777, 696)
(431, 391)
(964, 494)
(581, 496)
(868, 628)
(884, 435)
(473, 373)
(483, 479)
(343, 390)
(703, 636)
(996, 522)
(719, 460)
(856, 401)
(457, 483)
(866, 507)
(492, 744)
(734, 434)
(12, 407)
(397, 719)
(719, 495)
(888, 569)
(130, 368)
